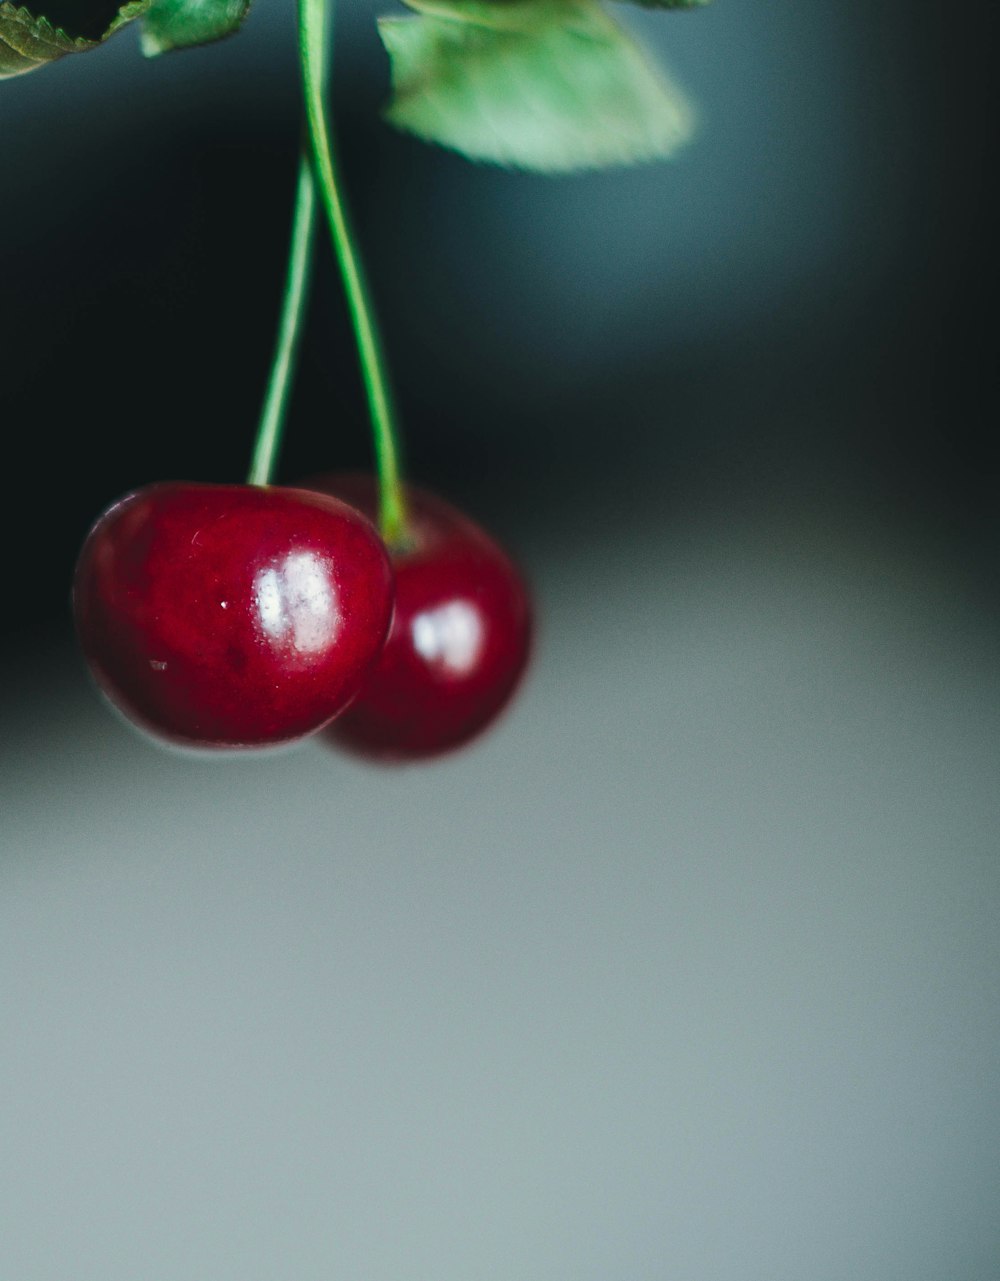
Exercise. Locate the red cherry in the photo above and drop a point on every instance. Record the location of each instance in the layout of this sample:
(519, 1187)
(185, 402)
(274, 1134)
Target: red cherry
(231, 615)
(459, 639)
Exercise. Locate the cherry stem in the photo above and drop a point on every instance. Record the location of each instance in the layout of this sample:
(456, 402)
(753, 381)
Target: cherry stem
(313, 53)
(285, 359)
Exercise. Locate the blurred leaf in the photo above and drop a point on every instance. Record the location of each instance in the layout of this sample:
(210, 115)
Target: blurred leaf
(178, 24)
(546, 85)
(28, 40)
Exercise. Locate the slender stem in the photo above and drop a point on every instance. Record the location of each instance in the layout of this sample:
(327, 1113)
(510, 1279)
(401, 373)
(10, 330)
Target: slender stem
(312, 51)
(283, 363)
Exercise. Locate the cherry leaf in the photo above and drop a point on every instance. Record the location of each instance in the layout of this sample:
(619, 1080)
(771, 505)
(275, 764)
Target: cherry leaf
(552, 86)
(31, 39)
(178, 24)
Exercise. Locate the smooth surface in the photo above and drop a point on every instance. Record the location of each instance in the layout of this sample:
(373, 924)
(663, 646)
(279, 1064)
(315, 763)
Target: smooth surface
(231, 615)
(460, 634)
(687, 971)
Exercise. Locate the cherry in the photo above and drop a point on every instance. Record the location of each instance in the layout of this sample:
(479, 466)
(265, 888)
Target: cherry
(459, 639)
(231, 615)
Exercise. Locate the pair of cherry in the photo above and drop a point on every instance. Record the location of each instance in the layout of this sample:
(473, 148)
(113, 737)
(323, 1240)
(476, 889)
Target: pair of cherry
(248, 616)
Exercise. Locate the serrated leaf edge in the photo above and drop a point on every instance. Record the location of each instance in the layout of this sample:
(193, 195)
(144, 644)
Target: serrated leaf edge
(40, 31)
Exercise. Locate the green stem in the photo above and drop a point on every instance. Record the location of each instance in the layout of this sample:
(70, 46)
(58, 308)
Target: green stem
(312, 51)
(272, 415)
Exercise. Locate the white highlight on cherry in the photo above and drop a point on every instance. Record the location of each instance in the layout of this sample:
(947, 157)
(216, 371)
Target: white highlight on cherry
(297, 602)
(450, 636)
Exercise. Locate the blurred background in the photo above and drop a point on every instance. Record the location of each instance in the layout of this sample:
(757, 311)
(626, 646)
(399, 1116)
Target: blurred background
(690, 969)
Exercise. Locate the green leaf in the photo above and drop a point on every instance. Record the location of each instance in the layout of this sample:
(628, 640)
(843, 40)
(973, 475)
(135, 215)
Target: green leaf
(178, 24)
(546, 85)
(29, 40)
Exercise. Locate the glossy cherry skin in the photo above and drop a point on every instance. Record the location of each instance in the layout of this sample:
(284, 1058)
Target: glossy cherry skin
(231, 615)
(459, 640)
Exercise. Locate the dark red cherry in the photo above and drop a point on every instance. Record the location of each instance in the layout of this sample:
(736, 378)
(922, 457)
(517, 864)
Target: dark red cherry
(231, 615)
(459, 639)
